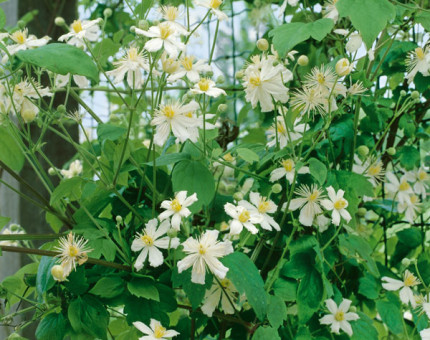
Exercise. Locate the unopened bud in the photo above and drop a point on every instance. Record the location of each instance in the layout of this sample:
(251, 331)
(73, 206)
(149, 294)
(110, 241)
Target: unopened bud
(52, 172)
(57, 272)
(59, 21)
(238, 196)
(276, 188)
(262, 45)
(209, 74)
(156, 22)
(172, 233)
(402, 93)
(107, 13)
(222, 108)
(391, 151)
(303, 60)
(143, 24)
(343, 67)
(239, 75)
(363, 150)
(61, 109)
(406, 262)
(353, 309)
(21, 24)
(361, 212)
(415, 95)
(28, 115)
(118, 219)
(220, 79)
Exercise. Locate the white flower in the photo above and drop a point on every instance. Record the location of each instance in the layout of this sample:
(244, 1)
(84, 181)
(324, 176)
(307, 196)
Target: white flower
(262, 206)
(175, 117)
(190, 69)
(63, 80)
(177, 208)
(205, 251)
(72, 250)
(421, 179)
(354, 43)
(81, 31)
(425, 334)
(150, 240)
(330, 11)
(207, 86)
(213, 6)
(337, 204)
(168, 64)
(226, 293)
(58, 273)
(339, 317)
(131, 64)
(75, 169)
(288, 170)
(418, 61)
(242, 217)
(23, 41)
(285, 135)
(343, 67)
(401, 189)
(372, 169)
(171, 14)
(283, 7)
(163, 35)
(322, 79)
(410, 207)
(309, 100)
(309, 202)
(155, 332)
(265, 84)
(406, 294)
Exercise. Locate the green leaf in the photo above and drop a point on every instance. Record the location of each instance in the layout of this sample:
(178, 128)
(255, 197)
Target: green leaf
(44, 279)
(423, 18)
(105, 49)
(170, 158)
(286, 36)
(143, 287)
(195, 292)
(52, 327)
(363, 328)
(2, 18)
(276, 311)
(4, 221)
(391, 315)
(108, 287)
(110, 132)
(350, 180)
(318, 170)
(265, 333)
(309, 295)
(62, 59)
(246, 277)
(70, 188)
(369, 286)
(409, 157)
(370, 17)
(247, 155)
(10, 152)
(299, 265)
(285, 289)
(88, 315)
(194, 177)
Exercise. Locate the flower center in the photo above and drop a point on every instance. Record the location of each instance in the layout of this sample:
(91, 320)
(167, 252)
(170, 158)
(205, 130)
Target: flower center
(73, 251)
(339, 316)
(244, 216)
(320, 78)
(77, 26)
(225, 283)
(414, 199)
(133, 54)
(170, 65)
(215, 4)
(255, 81)
(288, 165)
(410, 280)
(314, 196)
(228, 157)
(422, 175)
(204, 84)
(159, 331)
(176, 206)
(187, 63)
(281, 128)
(147, 240)
(340, 204)
(19, 37)
(202, 250)
(171, 13)
(264, 206)
(374, 170)
(420, 53)
(404, 186)
(168, 111)
(165, 30)
(189, 114)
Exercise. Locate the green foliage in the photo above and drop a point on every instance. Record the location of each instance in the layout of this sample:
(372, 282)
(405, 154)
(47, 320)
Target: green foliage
(52, 327)
(108, 287)
(318, 170)
(10, 152)
(143, 287)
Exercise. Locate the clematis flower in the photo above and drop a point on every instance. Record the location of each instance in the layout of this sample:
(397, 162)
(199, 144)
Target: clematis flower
(425, 334)
(400, 188)
(309, 202)
(149, 242)
(213, 6)
(287, 170)
(190, 69)
(207, 86)
(285, 135)
(420, 178)
(175, 117)
(163, 35)
(337, 204)
(75, 169)
(406, 293)
(177, 208)
(23, 42)
(63, 80)
(81, 31)
(131, 64)
(309, 100)
(262, 207)
(418, 61)
(203, 252)
(171, 14)
(330, 11)
(283, 7)
(242, 217)
(372, 169)
(410, 207)
(155, 332)
(226, 293)
(339, 317)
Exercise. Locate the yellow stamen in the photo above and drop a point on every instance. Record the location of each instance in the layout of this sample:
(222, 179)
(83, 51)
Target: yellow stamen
(168, 111)
(77, 26)
(288, 165)
(420, 53)
(147, 240)
(73, 251)
(264, 206)
(165, 30)
(281, 128)
(422, 175)
(225, 283)
(159, 331)
(410, 280)
(215, 4)
(244, 216)
(133, 54)
(339, 316)
(340, 204)
(170, 13)
(204, 84)
(375, 169)
(176, 206)
(19, 37)
(228, 157)
(414, 199)
(255, 81)
(314, 196)
(320, 78)
(187, 63)
(202, 250)
(404, 186)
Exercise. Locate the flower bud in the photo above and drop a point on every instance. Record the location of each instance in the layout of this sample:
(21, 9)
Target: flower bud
(209, 74)
(353, 309)
(61, 109)
(51, 172)
(118, 219)
(262, 45)
(21, 24)
(402, 93)
(156, 22)
(238, 196)
(222, 108)
(220, 79)
(415, 95)
(143, 24)
(59, 21)
(172, 233)
(343, 67)
(406, 262)
(276, 188)
(107, 13)
(303, 60)
(354, 43)
(57, 272)
(391, 151)
(363, 150)
(28, 114)
(239, 75)
(361, 212)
